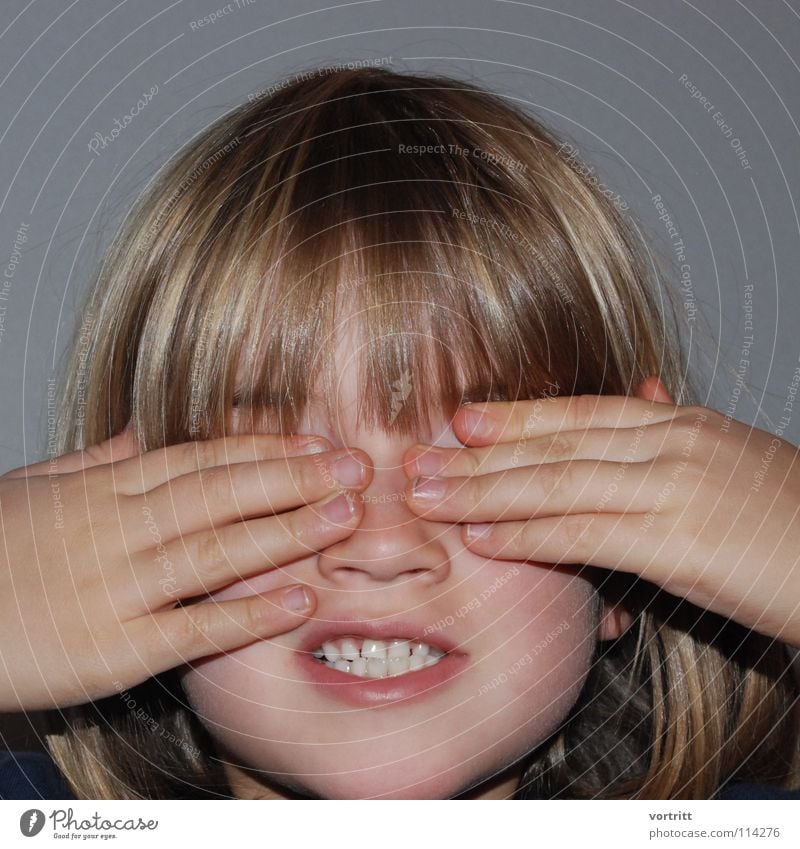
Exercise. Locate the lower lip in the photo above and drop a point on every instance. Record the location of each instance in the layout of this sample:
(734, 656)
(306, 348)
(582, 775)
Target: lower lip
(373, 692)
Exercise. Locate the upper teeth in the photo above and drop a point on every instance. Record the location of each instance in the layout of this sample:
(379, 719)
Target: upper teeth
(370, 658)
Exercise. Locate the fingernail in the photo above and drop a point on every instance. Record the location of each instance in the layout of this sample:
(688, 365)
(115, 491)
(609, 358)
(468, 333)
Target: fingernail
(479, 530)
(476, 423)
(348, 470)
(338, 508)
(430, 462)
(428, 489)
(296, 599)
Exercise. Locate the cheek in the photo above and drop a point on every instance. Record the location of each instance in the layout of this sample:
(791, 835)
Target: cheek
(539, 623)
(541, 630)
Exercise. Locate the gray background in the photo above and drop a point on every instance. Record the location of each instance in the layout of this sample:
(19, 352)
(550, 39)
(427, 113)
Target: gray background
(607, 74)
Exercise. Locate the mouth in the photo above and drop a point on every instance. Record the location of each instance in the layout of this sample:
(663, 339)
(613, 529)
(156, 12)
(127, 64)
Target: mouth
(375, 662)
(367, 657)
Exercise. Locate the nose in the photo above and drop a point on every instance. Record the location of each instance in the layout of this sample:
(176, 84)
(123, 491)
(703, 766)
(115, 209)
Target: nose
(391, 545)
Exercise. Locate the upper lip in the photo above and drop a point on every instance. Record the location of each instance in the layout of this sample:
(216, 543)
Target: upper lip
(322, 630)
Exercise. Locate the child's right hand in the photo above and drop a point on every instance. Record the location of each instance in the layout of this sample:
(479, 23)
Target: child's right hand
(94, 560)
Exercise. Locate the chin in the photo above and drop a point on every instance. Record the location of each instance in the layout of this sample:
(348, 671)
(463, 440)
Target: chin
(395, 787)
(441, 769)
(387, 783)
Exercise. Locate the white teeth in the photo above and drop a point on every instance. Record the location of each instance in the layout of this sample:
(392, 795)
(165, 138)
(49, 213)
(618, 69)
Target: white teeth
(377, 668)
(377, 658)
(349, 649)
(330, 651)
(372, 649)
(359, 667)
(416, 661)
(397, 649)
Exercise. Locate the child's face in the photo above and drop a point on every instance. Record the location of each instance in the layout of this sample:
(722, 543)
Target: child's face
(522, 633)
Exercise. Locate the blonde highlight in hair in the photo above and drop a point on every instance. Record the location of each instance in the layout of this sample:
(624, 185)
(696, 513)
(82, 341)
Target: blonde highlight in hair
(467, 250)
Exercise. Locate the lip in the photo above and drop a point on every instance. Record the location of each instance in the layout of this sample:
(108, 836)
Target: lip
(374, 692)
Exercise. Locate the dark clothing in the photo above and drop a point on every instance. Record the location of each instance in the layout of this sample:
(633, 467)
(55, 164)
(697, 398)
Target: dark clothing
(757, 791)
(33, 775)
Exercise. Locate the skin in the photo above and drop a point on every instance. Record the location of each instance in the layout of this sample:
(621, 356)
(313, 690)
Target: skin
(74, 632)
(707, 507)
(88, 608)
(89, 585)
(553, 477)
(281, 738)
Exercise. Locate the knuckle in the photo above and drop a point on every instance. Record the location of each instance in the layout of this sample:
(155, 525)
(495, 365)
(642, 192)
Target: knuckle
(298, 524)
(215, 486)
(310, 474)
(97, 507)
(560, 446)
(572, 531)
(523, 418)
(473, 465)
(194, 629)
(528, 537)
(518, 417)
(247, 441)
(199, 454)
(260, 443)
(546, 477)
(580, 410)
(209, 561)
(255, 614)
(479, 489)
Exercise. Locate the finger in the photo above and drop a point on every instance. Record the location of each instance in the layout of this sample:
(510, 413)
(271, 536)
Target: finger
(164, 640)
(605, 540)
(550, 489)
(620, 444)
(206, 561)
(216, 496)
(505, 421)
(118, 447)
(153, 468)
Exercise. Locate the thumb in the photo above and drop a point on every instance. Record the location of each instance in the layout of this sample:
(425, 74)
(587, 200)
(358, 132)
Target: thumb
(652, 389)
(119, 447)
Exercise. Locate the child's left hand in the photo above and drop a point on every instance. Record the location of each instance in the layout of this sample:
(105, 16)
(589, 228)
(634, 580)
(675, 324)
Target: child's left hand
(701, 505)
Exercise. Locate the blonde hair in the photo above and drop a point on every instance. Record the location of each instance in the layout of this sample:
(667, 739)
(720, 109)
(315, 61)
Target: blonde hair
(483, 261)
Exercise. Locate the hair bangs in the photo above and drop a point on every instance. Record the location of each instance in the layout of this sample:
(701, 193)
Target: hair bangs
(376, 243)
